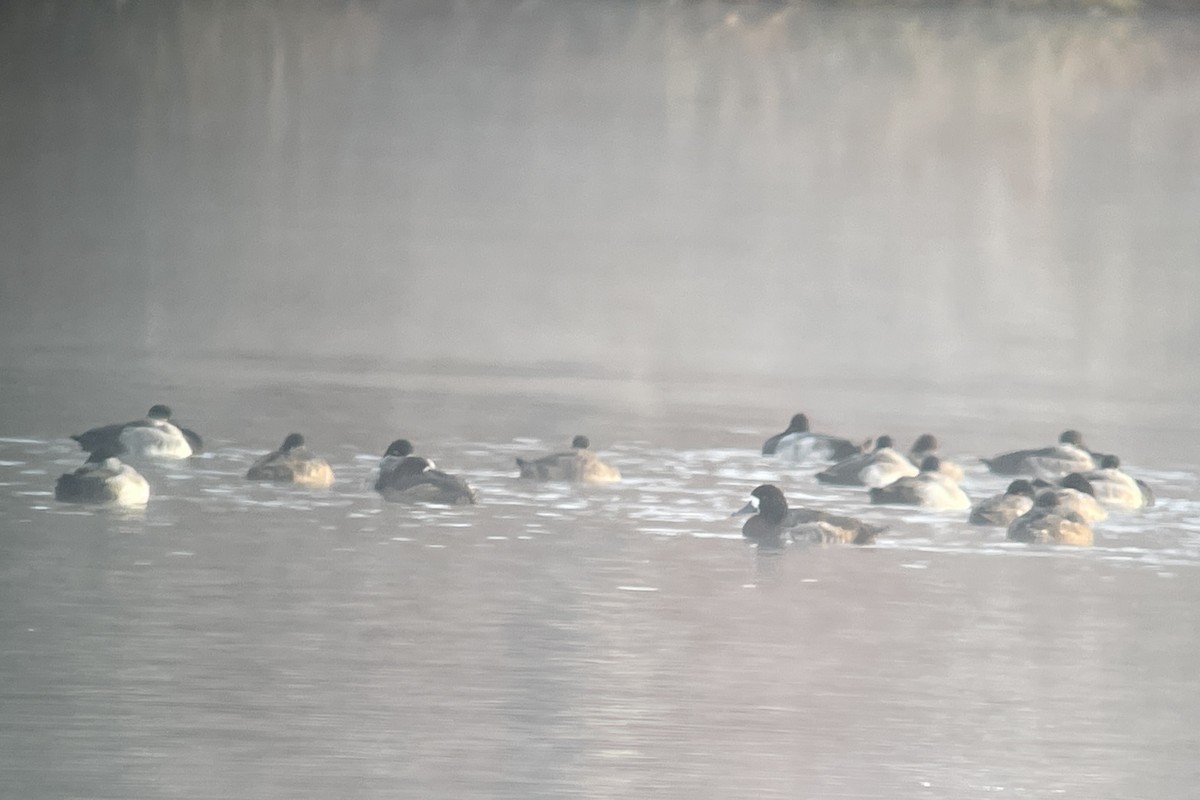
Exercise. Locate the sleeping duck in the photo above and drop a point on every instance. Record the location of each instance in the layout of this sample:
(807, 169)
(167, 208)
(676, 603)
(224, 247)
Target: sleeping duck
(1048, 463)
(1115, 488)
(880, 467)
(773, 520)
(931, 488)
(1049, 523)
(798, 443)
(927, 445)
(579, 464)
(103, 480)
(405, 478)
(292, 463)
(155, 436)
(1075, 494)
(1002, 509)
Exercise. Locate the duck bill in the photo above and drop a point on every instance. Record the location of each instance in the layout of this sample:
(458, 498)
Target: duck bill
(746, 509)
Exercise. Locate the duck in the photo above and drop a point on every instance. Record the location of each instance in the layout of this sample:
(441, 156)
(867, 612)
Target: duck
(396, 452)
(103, 480)
(405, 478)
(927, 445)
(579, 465)
(773, 520)
(1116, 489)
(930, 488)
(1049, 523)
(292, 463)
(1073, 493)
(881, 466)
(1002, 509)
(1048, 463)
(154, 436)
(798, 443)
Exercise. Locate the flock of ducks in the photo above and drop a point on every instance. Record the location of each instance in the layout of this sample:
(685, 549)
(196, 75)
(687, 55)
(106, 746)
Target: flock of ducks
(1062, 490)
(105, 479)
(1065, 488)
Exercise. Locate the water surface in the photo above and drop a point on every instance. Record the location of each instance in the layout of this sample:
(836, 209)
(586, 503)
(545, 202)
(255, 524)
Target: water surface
(487, 227)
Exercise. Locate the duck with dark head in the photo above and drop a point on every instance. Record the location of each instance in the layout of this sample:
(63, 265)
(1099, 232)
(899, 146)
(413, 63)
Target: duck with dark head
(406, 478)
(773, 522)
(798, 443)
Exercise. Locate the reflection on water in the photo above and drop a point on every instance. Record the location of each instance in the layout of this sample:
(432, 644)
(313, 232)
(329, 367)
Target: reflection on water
(490, 226)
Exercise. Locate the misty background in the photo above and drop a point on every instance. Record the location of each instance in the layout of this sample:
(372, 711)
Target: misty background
(489, 226)
(760, 203)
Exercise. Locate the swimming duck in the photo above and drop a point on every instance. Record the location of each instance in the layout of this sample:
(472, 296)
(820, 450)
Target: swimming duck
(931, 488)
(292, 463)
(1048, 463)
(577, 464)
(396, 452)
(155, 436)
(1004, 508)
(1048, 523)
(798, 443)
(773, 520)
(1112, 487)
(927, 445)
(405, 478)
(1073, 493)
(878, 468)
(103, 479)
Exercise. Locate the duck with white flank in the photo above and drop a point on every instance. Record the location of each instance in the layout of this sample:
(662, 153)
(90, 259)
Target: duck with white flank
(1115, 488)
(103, 480)
(155, 436)
(773, 521)
(931, 488)
(579, 464)
(798, 443)
(405, 478)
(1049, 523)
(292, 463)
(1002, 509)
(881, 466)
(1047, 463)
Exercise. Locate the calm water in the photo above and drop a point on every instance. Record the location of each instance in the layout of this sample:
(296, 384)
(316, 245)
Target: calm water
(487, 227)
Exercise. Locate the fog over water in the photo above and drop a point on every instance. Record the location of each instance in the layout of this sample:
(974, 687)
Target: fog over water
(490, 226)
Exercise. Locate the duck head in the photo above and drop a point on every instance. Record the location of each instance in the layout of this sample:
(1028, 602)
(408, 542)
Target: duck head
(799, 424)
(290, 443)
(1022, 488)
(400, 447)
(159, 412)
(1078, 483)
(1072, 437)
(925, 443)
(769, 503)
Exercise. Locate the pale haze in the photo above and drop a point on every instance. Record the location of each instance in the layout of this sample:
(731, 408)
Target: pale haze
(488, 227)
